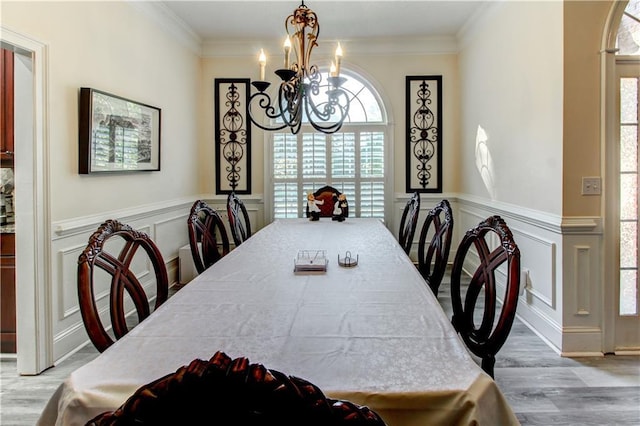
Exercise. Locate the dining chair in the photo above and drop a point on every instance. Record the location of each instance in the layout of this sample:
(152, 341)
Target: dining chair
(233, 391)
(432, 258)
(409, 222)
(107, 265)
(205, 227)
(493, 245)
(326, 198)
(239, 222)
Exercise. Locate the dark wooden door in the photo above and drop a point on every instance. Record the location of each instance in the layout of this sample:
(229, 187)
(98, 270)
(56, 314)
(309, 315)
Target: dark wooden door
(7, 239)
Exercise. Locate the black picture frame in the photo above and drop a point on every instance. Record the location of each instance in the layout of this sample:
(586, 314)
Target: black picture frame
(232, 136)
(424, 134)
(117, 135)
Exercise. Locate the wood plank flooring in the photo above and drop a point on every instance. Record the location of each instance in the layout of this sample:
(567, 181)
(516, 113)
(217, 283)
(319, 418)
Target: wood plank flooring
(542, 387)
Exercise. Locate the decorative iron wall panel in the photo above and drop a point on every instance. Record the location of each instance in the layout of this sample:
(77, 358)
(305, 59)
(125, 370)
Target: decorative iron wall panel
(233, 136)
(424, 133)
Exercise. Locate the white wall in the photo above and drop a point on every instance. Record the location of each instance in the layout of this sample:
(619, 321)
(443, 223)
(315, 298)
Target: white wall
(114, 47)
(511, 73)
(511, 69)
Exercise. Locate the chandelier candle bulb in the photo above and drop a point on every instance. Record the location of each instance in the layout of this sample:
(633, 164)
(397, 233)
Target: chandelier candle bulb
(338, 59)
(287, 52)
(262, 59)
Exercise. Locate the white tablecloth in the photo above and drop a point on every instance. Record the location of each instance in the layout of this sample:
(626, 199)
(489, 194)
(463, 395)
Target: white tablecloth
(373, 334)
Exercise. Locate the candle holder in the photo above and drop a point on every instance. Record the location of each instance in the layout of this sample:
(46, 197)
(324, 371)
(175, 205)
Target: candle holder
(348, 261)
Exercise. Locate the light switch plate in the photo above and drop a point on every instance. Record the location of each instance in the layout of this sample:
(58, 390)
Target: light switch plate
(591, 186)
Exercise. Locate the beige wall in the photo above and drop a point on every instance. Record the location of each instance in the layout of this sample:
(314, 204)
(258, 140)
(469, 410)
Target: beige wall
(584, 23)
(387, 73)
(511, 76)
(115, 48)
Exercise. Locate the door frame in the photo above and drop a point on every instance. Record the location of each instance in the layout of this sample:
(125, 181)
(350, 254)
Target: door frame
(611, 166)
(33, 224)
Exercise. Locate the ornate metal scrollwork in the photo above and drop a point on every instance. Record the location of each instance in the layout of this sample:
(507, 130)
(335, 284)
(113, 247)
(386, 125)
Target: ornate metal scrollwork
(233, 136)
(424, 134)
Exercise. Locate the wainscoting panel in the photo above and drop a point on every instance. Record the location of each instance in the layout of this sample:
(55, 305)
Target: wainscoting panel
(166, 224)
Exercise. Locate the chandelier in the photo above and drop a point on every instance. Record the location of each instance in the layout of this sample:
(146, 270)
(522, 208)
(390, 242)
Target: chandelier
(301, 83)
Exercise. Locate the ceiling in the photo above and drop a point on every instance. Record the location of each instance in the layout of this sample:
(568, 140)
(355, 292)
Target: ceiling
(339, 20)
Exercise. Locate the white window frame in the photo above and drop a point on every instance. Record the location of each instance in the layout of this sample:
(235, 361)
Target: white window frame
(383, 126)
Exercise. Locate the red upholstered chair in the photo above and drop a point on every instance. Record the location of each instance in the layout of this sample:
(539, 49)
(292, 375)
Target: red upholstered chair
(409, 222)
(223, 391)
(107, 260)
(480, 297)
(327, 195)
(432, 258)
(238, 219)
(206, 231)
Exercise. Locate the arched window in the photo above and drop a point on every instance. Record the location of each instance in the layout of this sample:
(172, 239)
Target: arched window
(351, 160)
(628, 39)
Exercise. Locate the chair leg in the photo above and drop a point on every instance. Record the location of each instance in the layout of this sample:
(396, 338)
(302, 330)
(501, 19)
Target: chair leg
(488, 363)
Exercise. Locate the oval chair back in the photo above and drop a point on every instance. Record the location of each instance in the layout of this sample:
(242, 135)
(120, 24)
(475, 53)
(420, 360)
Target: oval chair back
(432, 258)
(239, 222)
(229, 391)
(409, 222)
(480, 297)
(206, 232)
(120, 278)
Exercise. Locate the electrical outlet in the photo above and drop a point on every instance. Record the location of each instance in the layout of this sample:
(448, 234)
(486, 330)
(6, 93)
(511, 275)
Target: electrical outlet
(591, 186)
(524, 280)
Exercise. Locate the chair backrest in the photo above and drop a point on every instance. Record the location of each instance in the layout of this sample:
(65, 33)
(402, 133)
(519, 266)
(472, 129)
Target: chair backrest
(225, 391)
(432, 259)
(239, 222)
(206, 230)
(409, 222)
(327, 195)
(117, 266)
(486, 340)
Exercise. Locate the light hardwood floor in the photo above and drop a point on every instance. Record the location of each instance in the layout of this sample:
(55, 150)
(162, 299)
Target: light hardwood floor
(542, 387)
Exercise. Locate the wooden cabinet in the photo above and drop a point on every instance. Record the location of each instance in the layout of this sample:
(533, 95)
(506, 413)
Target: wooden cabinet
(7, 293)
(6, 107)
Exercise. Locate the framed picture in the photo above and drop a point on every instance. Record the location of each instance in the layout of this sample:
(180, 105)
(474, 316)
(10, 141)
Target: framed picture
(117, 134)
(424, 133)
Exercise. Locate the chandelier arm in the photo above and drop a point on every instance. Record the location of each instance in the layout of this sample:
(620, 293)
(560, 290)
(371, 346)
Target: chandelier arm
(330, 108)
(329, 128)
(263, 101)
(290, 98)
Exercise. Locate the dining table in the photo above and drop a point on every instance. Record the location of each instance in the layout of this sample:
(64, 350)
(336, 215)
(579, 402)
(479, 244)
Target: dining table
(368, 330)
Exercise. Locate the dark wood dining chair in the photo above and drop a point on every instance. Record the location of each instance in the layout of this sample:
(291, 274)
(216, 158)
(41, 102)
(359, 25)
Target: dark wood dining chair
(327, 196)
(112, 249)
(229, 391)
(432, 258)
(486, 339)
(409, 222)
(239, 222)
(206, 231)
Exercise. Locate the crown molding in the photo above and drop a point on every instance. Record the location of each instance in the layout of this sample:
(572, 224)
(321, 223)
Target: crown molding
(392, 46)
(170, 23)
